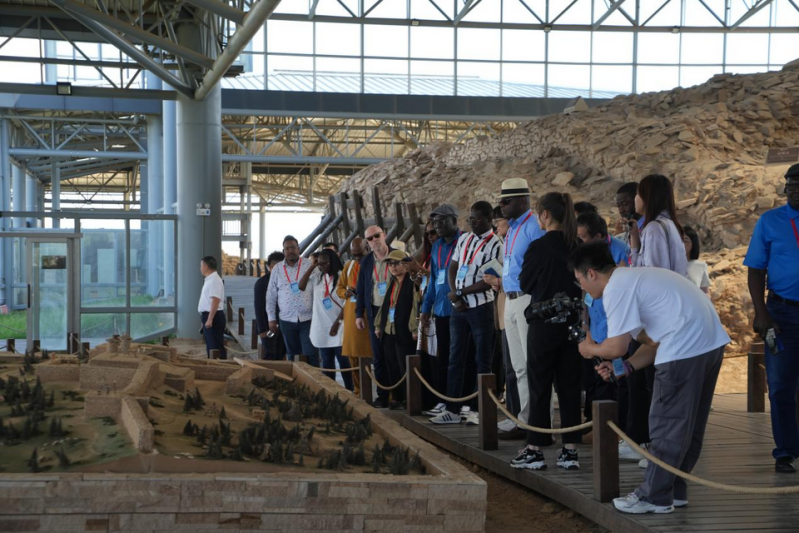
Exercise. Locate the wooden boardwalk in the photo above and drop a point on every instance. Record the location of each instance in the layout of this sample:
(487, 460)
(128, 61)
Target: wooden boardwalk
(737, 450)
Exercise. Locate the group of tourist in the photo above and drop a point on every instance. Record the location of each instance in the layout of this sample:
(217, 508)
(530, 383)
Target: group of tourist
(466, 303)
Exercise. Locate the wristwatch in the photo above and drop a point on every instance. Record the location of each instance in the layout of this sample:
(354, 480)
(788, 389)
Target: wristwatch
(459, 293)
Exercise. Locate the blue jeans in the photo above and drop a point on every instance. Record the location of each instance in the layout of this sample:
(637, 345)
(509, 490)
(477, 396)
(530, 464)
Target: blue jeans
(329, 358)
(298, 341)
(782, 371)
(479, 321)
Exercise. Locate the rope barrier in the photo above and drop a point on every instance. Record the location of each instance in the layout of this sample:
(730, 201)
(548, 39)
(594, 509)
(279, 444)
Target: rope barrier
(698, 480)
(240, 353)
(445, 398)
(761, 366)
(379, 386)
(353, 369)
(552, 431)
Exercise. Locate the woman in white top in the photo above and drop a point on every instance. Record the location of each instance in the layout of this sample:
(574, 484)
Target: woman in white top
(697, 270)
(321, 281)
(659, 243)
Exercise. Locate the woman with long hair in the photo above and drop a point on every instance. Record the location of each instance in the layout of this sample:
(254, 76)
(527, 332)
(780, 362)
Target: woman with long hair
(322, 281)
(551, 357)
(659, 243)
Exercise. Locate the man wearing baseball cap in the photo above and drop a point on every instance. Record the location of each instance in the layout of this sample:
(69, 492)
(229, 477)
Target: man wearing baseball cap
(436, 305)
(773, 261)
(523, 229)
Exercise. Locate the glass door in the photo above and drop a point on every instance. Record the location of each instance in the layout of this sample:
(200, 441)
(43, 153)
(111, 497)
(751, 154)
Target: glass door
(50, 292)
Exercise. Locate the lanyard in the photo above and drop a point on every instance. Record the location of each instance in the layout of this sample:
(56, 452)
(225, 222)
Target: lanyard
(396, 286)
(299, 265)
(427, 261)
(448, 256)
(355, 268)
(469, 242)
(385, 274)
(327, 287)
(509, 251)
(795, 231)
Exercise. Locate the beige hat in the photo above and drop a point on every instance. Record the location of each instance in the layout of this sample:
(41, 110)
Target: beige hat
(396, 255)
(515, 187)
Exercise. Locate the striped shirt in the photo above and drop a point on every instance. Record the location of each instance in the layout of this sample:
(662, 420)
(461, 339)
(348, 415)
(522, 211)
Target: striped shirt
(473, 251)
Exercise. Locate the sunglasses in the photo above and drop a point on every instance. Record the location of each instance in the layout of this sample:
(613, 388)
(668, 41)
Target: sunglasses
(373, 237)
(394, 263)
(506, 201)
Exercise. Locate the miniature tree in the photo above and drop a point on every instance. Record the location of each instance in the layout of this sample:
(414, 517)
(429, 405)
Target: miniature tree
(187, 403)
(188, 429)
(51, 401)
(33, 462)
(236, 454)
(63, 460)
(198, 397)
(222, 414)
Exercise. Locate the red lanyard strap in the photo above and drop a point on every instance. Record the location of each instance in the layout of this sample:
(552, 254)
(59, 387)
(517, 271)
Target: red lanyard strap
(394, 290)
(327, 287)
(448, 256)
(477, 250)
(287, 272)
(385, 274)
(509, 251)
(795, 231)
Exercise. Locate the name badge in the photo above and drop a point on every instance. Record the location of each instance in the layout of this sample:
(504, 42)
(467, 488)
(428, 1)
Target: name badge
(589, 301)
(295, 288)
(353, 299)
(462, 272)
(391, 315)
(506, 268)
(327, 303)
(441, 278)
(423, 286)
(381, 288)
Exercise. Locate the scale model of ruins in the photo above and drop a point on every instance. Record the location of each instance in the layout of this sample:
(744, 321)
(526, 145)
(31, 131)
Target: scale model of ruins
(130, 407)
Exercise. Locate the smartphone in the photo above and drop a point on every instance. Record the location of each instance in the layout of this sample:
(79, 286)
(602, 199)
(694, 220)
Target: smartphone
(618, 368)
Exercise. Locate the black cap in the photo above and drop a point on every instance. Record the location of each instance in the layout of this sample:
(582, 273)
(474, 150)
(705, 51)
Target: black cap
(793, 172)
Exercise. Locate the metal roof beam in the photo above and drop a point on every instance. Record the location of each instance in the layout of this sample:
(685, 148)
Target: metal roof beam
(751, 13)
(612, 9)
(222, 9)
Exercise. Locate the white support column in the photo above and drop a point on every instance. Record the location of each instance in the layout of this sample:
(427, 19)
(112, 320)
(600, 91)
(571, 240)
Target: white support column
(5, 198)
(18, 194)
(170, 194)
(199, 171)
(31, 190)
(155, 193)
(247, 167)
(262, 232)
(55, 192)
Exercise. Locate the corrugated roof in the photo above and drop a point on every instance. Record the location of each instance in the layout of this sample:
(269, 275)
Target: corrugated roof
(348, 82)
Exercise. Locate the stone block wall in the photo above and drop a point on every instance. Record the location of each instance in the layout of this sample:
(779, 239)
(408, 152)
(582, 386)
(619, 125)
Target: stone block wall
(147, 375)
(238, 380)
(50, 373)
(93, 377)
(135, 422)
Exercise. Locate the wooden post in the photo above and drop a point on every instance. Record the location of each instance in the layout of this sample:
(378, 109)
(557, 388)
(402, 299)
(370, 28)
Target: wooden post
(254, 336)
(37, 346)
(216, 354)
(606, 451)
(376, 208)
(358, 203)
(300, 358)
(756, 379)
(241, 321)
(165, 341)
(11, 345)
(75, 346)
(69, 342)
(229, 309)
(85, 347)
(413, 397)
(489, 439)
(366, 381)
(416, 224)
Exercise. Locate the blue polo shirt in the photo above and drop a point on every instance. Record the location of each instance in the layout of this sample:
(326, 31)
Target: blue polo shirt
(599, 320)
(435, 295)
(619, 250)
(522, 231)
(775, 247)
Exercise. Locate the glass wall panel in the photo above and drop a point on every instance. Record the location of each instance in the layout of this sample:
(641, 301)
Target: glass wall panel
(102, 264)
(338, 39)
(569, 80)
(425, 10)
(95, 328)
(613, 47)
(659, 48)
(579, 13)
(484, 11)
(393, 77)
(432, 77)
(784, 47)
(618, 79)
(521, 80)
(748, 49)
(478, 79)
(147, 262)
(435, 43)
(657, 78)
(474, 43)
(690, 76)
(570, 46)
(702, 48)
(385, 41)
(785, 14)
(523, 45)
(279, 79)
(289, 37)
(144, 325)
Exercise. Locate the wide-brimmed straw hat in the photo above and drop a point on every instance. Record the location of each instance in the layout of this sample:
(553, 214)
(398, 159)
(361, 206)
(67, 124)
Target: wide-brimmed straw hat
(515, 187)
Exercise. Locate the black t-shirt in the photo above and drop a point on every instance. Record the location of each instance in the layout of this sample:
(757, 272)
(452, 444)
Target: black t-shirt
(545, 273)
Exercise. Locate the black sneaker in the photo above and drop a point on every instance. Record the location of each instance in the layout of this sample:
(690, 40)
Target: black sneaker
(529, 459)
(784, 465)
(380, 403)
(568, 460)
(396, 406)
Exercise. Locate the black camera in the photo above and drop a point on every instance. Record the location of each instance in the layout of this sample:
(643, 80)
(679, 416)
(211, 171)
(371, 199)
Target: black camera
(558, 310)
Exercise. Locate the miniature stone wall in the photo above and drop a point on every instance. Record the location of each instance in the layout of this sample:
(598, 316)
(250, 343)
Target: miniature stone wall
(178, 378)
(238, 380)
(133, 419)
(48, 372)
(147, 375)
(94, 377)
(211, 372)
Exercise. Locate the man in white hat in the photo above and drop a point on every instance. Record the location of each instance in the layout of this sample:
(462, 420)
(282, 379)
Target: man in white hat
(523, 229)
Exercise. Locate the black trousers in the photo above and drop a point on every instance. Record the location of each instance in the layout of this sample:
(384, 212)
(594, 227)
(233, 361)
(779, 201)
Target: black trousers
(215, 335)
(562, 366)
(596, 388)
(639, 392)
(395, 349)
(274, 348)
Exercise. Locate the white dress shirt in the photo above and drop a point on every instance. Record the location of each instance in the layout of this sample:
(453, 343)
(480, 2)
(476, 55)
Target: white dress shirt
(294, 306)
(213, 287)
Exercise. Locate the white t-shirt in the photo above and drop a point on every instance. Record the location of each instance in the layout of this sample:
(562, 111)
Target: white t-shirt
(697, 272)
(323, 319)
(672, 310)
(213, 287)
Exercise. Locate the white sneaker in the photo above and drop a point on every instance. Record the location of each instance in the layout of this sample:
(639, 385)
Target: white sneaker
(680, 503)
(435, 411)
(472, 419)
(446, 418)
(465, 410)
(628, 454)
(643, 463)
(506, 425)
(632, 505)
